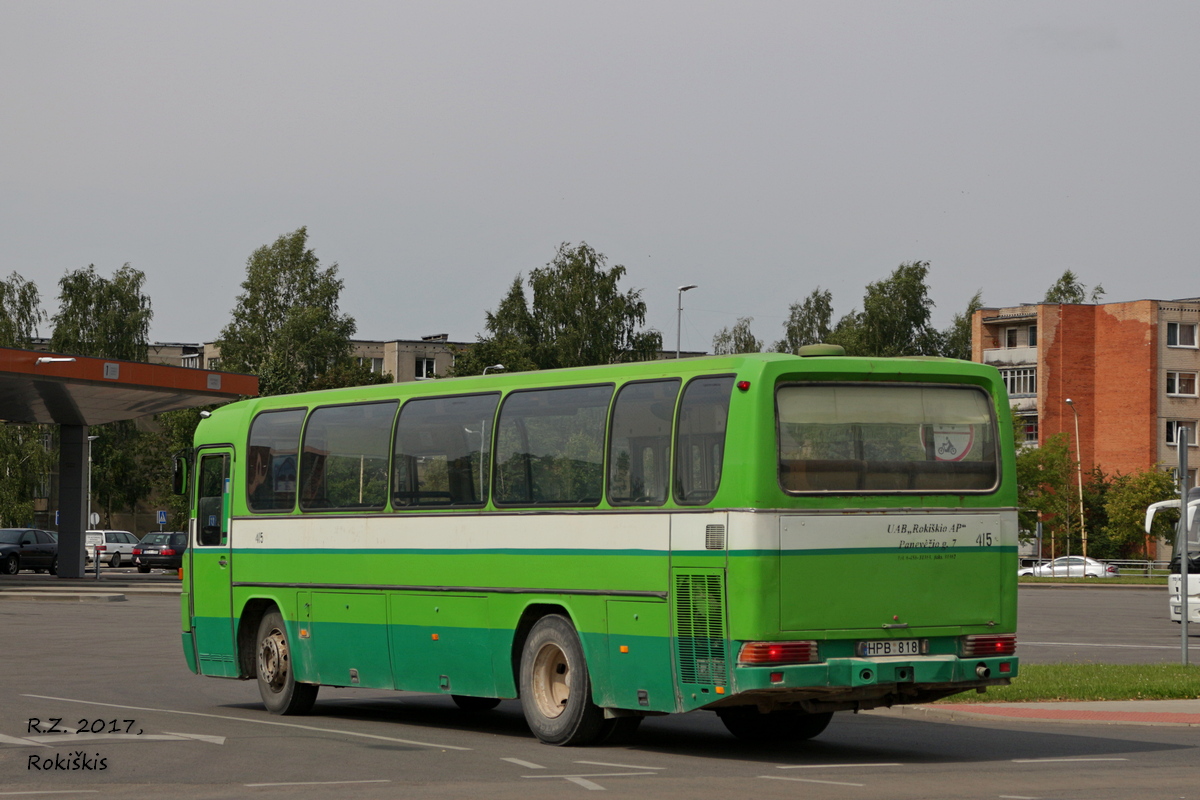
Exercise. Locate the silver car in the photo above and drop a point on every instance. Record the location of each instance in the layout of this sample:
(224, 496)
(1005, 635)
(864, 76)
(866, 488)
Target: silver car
(1071, 567)
(117, 546)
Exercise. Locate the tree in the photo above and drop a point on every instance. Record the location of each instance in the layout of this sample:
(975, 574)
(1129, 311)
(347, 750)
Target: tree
(102, 317)
(20, 312)
(1045, 480)
(956, 340)
(739, 339)
(895, 317)
(287, 328)
(1067, 289)
(110, 318)
(808, 322)
(1126, 504)
(577, 317)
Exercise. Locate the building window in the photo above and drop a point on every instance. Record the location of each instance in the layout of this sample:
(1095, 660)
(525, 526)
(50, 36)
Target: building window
(1033, 335)
(1181, 383)
(1173, 426)
(1010, 337)
(214, 363)
(376, 364)
(191, 362)
(1028, 431)
(1191, 476)
(425, 368)
(1020, 381)
(1181, 334)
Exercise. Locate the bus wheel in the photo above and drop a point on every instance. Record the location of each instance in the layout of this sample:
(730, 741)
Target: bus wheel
(281, 694)
(475, 704)
(556, 692)
(745, 722)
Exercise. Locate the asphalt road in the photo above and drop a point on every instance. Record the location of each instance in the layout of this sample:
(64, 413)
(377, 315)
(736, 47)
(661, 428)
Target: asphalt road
(118, 665)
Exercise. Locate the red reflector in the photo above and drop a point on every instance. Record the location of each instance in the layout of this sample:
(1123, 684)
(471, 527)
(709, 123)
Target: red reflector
(743, 385)
(999, 644)
(778, 653)
(1006, 667)
(776, 677)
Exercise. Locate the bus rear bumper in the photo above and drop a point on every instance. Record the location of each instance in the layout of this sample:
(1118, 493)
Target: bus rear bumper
(844, 684)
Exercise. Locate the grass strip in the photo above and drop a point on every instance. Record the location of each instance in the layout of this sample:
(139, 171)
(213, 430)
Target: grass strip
(1066, 682)
(1138, 580)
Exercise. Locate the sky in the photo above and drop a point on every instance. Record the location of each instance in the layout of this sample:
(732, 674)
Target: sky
(759, 150)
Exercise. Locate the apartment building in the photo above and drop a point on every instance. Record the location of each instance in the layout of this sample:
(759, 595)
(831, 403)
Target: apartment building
(1130, 370)
(405, 359)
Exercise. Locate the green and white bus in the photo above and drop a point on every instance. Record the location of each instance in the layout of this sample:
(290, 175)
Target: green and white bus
(771, 537)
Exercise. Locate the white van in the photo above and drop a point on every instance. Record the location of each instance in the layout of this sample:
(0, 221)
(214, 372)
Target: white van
(117, 546)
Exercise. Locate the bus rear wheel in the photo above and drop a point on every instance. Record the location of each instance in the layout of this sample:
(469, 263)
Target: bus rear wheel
(277, 685)
(745, 722)
(556, 691)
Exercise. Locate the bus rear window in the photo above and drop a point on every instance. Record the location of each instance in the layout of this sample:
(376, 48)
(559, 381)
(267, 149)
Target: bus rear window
(885, 438)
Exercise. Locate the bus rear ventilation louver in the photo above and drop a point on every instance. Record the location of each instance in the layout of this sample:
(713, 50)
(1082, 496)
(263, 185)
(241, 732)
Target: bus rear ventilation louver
(700, 629)
(714, 537)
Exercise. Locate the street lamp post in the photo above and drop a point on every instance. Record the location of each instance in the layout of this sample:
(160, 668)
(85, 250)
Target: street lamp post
(1079, 457)
(493, 366)
(679, 316)
(87, 523)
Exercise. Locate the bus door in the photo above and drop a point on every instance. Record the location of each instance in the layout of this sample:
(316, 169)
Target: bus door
(211, 565)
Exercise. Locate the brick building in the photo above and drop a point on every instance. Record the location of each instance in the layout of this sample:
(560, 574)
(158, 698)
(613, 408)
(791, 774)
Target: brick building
(1129, 368)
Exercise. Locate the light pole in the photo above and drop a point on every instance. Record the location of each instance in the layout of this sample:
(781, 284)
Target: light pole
(87, 523)
(493, 366)
(1079, 456)
(679, 316)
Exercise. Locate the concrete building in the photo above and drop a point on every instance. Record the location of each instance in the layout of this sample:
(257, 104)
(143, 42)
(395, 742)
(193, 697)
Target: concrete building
(405, 359)
(1129, 368)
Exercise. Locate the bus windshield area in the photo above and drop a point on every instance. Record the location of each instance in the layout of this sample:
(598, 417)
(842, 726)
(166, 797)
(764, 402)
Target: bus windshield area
(885, 438)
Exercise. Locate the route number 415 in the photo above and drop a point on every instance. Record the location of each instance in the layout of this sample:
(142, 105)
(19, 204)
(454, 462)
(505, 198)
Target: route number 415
(984, 540)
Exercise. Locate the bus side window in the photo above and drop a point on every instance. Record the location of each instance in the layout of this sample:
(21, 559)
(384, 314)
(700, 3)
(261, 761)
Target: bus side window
(700, 439)
(640, 443)
(443, 451)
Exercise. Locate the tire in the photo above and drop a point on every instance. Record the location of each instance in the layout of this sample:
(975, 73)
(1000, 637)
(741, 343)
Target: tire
(54, 566)
(142, 568)
(475, 705)
(556, 692)
(12, 565)
(747, 724)
(277, 685)
(115, 561)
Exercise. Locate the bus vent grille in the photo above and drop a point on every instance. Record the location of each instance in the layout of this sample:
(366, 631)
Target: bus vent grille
(700, 629)
(714, 537)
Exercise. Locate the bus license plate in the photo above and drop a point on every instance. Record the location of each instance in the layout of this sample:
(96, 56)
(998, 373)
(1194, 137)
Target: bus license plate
(890, 647)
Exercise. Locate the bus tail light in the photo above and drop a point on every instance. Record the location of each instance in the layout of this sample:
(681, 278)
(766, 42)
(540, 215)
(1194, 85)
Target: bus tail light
(760, 653)
(990, 644)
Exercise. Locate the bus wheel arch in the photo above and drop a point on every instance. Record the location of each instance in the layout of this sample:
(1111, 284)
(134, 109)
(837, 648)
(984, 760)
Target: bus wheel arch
(277, 685)
(555, 686)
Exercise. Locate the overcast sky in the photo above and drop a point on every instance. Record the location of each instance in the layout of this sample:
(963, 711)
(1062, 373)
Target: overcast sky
(758, 149)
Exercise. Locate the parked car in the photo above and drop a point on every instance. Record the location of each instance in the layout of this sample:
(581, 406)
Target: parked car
(1071, 567)
(117, 546)
(160, 551)
(28, 548)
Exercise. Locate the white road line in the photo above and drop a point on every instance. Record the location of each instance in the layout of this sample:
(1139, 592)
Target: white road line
(1060, 760)
(520, 763)
(619, 766)
(253, 721)
(839, 766)
(1016, 797)
(808, 780)
(586, 784)
(51, 791)
(120, 737)
(20, 742)
(593, 775)
(315, 783)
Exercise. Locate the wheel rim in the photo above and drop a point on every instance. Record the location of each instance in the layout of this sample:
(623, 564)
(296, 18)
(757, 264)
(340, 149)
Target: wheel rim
(273, 660)
(10, 565)
(551, 681)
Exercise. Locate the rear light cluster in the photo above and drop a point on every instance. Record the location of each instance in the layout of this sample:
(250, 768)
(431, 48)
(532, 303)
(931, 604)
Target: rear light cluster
(999, 644)
(137, 551)
(166, 552)
(762, 653)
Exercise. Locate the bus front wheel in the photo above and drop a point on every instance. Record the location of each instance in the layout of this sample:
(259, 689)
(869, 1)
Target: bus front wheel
(745, 722)
(556, 692)
(281, 694)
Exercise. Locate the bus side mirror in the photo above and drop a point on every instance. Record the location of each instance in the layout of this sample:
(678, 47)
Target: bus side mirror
(179, 481)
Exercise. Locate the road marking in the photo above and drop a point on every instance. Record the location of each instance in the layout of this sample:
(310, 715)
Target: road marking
(839, 766)
(20, 742)
(586, 784)
(1055, 761)
(618, 766)
(51, 791)
(127, 737)
(1016, 797)
(593, 775)
(253, 721)
(315, 783)
(520, 763)
(808, 780)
